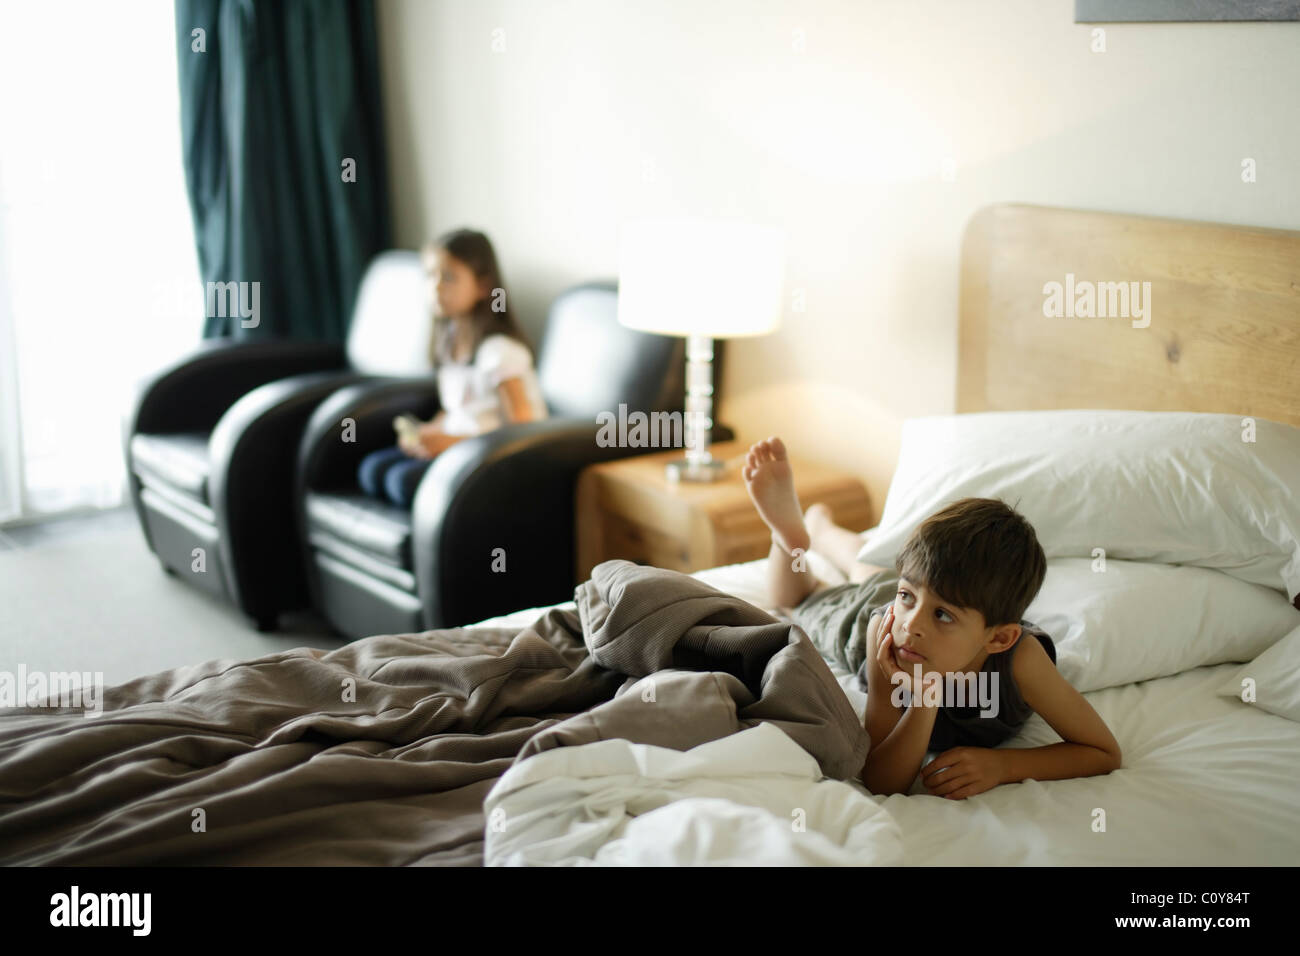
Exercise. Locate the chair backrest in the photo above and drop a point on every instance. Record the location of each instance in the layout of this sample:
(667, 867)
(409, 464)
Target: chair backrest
(392, 318)
(588, 363)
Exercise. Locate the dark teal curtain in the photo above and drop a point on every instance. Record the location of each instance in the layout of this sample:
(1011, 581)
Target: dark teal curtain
(284, 92)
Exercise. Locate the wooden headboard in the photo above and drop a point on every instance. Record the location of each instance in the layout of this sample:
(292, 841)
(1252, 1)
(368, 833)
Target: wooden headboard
(1223, 314)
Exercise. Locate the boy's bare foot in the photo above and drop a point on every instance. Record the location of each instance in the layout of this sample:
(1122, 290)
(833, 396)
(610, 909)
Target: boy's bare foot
(817, 519)
(770, 482)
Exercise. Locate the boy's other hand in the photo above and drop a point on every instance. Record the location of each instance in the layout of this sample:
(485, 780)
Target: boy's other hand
(963, 772)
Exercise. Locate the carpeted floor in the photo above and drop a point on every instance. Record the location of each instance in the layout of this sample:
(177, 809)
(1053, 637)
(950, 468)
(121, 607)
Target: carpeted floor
(85, 594)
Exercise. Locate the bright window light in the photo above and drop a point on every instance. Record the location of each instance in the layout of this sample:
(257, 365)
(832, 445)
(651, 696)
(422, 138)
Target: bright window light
(99, 282)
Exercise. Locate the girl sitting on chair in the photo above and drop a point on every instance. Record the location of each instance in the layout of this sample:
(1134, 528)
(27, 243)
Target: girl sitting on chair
(482, 360)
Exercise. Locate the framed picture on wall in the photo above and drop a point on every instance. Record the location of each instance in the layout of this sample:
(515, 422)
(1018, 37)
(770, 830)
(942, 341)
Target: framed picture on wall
(1185, 11)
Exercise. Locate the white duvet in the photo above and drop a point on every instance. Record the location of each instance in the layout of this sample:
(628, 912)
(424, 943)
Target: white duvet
(1206, 780)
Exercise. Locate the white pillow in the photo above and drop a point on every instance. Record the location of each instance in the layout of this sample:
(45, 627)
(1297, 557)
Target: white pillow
(1276, 674)
(1136, 621)
(1173, 487)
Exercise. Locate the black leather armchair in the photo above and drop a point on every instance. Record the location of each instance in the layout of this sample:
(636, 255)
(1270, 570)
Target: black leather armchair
(491, 529)
(211, 443)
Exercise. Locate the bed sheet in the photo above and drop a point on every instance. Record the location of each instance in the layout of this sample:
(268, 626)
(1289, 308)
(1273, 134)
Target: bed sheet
(1206, 781)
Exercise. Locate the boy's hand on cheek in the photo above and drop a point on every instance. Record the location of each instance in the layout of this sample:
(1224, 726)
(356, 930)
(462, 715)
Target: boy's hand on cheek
(963, 772)
(894, 674)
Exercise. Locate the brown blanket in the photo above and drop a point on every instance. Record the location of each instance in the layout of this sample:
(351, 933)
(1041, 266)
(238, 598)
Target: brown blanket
(381, 752)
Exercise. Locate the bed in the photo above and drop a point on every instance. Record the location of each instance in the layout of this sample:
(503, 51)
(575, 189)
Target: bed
(527, 754)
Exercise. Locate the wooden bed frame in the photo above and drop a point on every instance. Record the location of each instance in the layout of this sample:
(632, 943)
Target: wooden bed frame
(1223, 332)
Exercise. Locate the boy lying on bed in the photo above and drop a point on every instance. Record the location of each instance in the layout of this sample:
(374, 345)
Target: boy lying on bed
(951, 623)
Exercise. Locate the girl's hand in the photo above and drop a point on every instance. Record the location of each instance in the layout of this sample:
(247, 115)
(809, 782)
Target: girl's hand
(963, 772)
(410, 444)
(434, 441)
(408, 435)
(889, 667)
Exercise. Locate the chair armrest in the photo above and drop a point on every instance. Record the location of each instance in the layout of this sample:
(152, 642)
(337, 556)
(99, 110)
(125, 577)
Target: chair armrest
(253, 451)
(326, 460)
(192, 393)
(511, 489)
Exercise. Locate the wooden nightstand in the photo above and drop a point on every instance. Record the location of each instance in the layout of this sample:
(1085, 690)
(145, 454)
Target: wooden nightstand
(629, 509)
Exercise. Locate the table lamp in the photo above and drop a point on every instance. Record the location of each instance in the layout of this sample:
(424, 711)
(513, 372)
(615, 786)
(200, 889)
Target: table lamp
(704, 280)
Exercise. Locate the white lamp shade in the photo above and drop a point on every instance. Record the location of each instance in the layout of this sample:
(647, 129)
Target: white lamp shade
(700, 277)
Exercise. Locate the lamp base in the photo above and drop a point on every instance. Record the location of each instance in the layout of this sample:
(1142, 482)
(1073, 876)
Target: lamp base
(683, 469)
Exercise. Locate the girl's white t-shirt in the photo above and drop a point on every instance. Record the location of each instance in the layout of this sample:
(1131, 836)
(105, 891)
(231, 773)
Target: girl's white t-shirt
(468, 390)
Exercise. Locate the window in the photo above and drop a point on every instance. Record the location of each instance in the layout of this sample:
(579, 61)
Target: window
(99, 282)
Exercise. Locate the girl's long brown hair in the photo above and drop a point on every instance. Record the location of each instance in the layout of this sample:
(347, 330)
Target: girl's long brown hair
(475, 251)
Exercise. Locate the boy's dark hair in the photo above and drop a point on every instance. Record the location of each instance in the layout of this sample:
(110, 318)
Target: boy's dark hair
(978, 553)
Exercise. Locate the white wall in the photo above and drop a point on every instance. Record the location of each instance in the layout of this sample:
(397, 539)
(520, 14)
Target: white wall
(597, 111)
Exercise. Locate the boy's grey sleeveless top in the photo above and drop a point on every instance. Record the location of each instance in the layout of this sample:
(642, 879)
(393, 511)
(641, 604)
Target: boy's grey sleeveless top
(836, 619)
